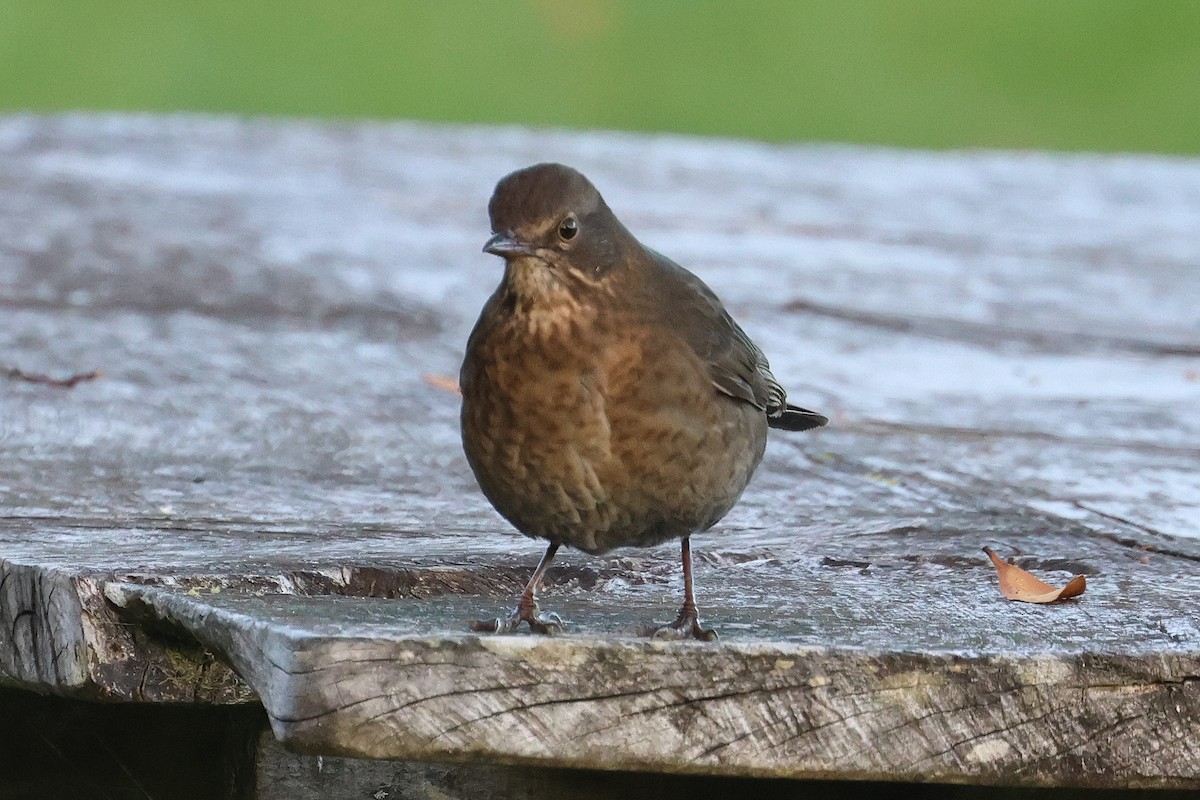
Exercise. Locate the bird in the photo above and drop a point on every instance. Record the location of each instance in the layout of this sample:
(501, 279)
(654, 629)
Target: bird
(608, 398)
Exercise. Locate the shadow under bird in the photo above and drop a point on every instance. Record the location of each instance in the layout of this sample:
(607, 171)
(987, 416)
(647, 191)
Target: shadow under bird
(609, 400)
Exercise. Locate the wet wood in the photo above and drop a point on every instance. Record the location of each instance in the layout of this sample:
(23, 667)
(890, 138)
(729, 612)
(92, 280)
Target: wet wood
(263, 498)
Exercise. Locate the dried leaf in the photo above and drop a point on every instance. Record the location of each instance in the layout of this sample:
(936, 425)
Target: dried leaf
(443, 382)
(1017, 584)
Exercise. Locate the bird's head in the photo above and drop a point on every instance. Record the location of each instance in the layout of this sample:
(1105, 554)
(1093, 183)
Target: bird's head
(554, 230)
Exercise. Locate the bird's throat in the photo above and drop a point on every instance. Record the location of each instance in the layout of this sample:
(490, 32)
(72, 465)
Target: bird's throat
(537, 285)
(545, 302)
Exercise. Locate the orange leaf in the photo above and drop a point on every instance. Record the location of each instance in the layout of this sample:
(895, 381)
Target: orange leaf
(443, 382)
(1017, 584)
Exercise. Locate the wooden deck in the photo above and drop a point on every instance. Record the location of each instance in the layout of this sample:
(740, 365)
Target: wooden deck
(262, 499)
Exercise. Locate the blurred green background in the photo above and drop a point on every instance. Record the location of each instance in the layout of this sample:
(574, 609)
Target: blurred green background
(1057, 74)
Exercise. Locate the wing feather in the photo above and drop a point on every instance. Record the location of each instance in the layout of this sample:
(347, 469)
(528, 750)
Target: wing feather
(737, 366)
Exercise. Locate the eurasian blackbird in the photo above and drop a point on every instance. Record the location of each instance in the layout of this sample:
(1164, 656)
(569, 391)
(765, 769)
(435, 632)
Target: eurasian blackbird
(609, 400)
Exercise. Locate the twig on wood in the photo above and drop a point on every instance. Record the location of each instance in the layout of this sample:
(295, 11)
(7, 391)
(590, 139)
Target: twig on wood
(17, 374)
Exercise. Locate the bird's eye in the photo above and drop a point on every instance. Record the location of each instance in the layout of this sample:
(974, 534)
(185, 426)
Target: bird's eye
(568, 228)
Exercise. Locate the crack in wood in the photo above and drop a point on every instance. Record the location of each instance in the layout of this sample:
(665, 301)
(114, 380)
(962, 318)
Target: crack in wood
(882, 427)
(1089, 739)
(524, 707)
(915, 722)
(989, 335)
(988, 489)
(912, 766)
(1182, 680)
(1165, 551)
(468, 692)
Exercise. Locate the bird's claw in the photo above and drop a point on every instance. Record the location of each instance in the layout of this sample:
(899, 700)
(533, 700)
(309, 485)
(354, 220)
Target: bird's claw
(679, 630)
(488, 625)
(547, 624)
(544, 623)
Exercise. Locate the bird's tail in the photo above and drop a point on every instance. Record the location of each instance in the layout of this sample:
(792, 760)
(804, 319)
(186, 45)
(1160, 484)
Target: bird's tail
(794, 418)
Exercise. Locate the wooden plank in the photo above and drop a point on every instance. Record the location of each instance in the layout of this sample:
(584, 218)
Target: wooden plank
(346, 678)
(1008, 345)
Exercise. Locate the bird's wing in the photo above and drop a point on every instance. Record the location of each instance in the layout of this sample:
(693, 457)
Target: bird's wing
(736, 365)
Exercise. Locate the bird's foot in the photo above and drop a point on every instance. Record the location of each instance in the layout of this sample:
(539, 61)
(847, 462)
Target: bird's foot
(546, 623)
(686, 626)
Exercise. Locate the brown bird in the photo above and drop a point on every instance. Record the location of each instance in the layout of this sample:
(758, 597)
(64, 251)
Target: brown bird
(609, 400)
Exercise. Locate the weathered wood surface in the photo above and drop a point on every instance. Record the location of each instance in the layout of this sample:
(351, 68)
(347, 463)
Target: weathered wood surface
(1008, 344)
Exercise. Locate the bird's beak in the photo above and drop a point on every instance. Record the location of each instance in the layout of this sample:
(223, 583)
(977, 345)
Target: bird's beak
(506, 245)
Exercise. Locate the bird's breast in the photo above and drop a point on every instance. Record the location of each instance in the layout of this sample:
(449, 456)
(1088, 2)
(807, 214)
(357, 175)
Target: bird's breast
(599, 432)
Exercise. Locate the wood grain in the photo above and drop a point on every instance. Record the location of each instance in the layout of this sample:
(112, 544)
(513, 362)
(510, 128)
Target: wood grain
(263, 496)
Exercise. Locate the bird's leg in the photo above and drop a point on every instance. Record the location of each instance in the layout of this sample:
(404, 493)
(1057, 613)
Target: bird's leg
(687, 624)
(527, 607)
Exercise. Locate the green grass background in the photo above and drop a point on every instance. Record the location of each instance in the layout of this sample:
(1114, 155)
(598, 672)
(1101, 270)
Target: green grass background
(1057, 74)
